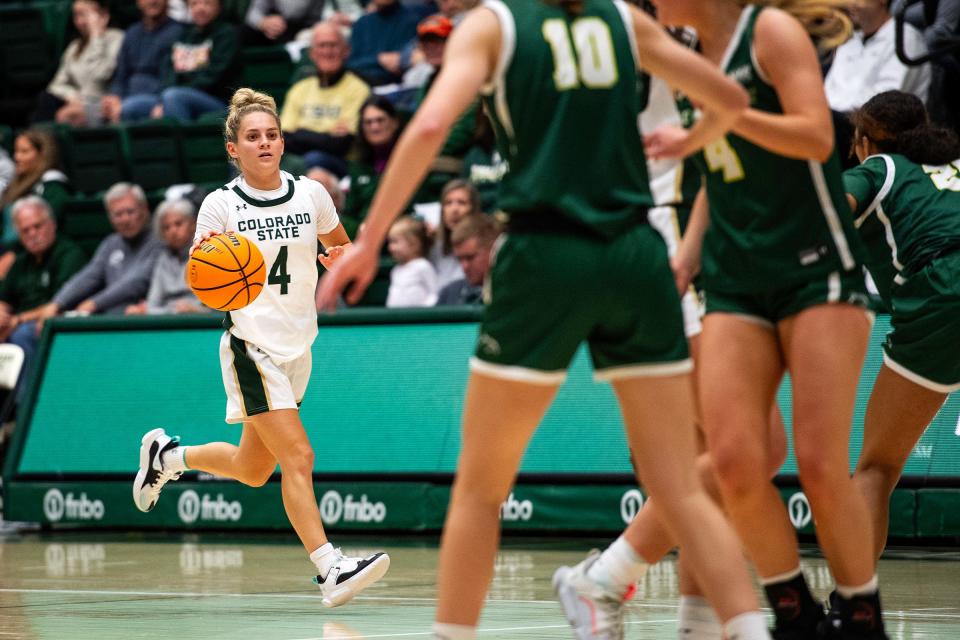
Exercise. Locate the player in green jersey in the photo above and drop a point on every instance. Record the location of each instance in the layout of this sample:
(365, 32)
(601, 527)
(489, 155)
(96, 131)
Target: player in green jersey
(784, 292)
(906, 199)
(579, 264)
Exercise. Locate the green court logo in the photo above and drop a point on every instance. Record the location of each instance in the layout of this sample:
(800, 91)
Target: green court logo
(799, 509)
(512, 510)
(630, 505)
(191, 507)
(334, 507)
(57, 507)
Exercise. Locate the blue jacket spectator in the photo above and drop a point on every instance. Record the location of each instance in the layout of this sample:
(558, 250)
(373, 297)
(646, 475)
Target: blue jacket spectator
(137, 82)
(378, 40)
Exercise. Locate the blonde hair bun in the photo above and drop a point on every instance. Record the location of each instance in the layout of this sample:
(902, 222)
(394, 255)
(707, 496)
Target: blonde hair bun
(246, 97)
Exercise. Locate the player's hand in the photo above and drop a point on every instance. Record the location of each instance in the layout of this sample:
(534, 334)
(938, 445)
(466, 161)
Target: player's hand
(333, 254)
(351, 276)
(667, 143)
(206, 235)
(684, 271)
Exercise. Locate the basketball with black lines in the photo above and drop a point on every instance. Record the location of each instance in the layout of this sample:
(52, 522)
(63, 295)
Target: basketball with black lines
(226, 272)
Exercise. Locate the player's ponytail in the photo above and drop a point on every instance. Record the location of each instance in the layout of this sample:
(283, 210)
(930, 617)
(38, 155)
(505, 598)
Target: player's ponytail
(897, 122)
(825, 20)
(243, 102)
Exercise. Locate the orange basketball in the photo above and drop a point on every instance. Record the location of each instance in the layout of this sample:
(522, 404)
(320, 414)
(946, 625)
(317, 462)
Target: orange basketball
(226, 272)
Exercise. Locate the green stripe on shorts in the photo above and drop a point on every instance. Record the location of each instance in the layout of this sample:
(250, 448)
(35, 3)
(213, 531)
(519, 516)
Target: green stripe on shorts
(248, 375)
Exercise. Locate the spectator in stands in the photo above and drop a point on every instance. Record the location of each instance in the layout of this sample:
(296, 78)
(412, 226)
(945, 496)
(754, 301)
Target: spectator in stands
(119, 272)
(867, 64)
(175, 222)
(473, 240)
(7, 170)
(46, 263)
(482, 164)
(940, 22)
(320, 113)
(433, 32)
(277, 21)
(203, 66)
(378, 40)
(379, 130)
(73, 96)
(331, 183)
(458, 200)
(413, 282)
(36, 172)
(136, 84)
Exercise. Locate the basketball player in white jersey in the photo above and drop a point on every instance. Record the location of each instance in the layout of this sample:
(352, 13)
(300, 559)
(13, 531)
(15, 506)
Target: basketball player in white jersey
(265, 352)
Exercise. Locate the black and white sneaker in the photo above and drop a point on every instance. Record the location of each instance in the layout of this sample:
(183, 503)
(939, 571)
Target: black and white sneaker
(152, 476)
(349, 576)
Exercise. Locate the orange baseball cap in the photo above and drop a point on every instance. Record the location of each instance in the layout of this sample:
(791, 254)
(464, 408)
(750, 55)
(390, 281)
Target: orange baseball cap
(436, 25)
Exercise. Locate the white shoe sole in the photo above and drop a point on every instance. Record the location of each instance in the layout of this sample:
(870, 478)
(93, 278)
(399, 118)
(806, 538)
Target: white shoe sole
(145, 442)
(348, 590)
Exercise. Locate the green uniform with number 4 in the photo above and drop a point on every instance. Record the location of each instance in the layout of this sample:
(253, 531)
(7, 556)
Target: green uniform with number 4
(579, 263)
(908, 216)
(780, 238)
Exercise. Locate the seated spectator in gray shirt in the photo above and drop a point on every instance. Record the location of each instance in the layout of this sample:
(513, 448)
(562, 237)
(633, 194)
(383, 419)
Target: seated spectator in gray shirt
(119, 272)
(175, 222)
(472, 239)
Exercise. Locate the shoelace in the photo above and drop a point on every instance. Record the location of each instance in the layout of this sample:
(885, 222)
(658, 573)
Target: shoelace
(163, 478)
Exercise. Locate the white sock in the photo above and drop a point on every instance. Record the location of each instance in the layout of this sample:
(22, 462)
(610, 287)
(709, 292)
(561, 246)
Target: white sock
(867, 589)
(697, 621)
(175, 459)
(323, 557)
(618, 567)
(747, 626)
(780, 577)
(444, 631)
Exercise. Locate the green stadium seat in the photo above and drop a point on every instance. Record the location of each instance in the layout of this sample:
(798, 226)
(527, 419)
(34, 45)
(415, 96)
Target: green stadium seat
(203, 153)
(94, 158)
(267, 69)
(85, 220)
(153, 150)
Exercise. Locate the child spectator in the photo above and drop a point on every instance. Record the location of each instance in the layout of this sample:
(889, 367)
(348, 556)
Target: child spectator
(458, 200)
(413, 282)
(176, 222)
(73, 96)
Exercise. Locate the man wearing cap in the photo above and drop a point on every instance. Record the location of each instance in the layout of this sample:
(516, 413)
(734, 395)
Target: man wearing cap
(320, 113)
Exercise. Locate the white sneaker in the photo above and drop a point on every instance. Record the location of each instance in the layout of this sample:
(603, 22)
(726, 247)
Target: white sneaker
(594, 612)
(152, 476)
(349, 576)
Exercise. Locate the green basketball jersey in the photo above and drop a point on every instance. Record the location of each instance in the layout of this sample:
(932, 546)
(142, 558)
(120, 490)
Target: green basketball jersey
(774, 221)
(564, 104)
(906, 214)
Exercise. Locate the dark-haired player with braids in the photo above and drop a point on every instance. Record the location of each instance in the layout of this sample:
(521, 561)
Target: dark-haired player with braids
(265, 352)
(906, 200)
(579, 264)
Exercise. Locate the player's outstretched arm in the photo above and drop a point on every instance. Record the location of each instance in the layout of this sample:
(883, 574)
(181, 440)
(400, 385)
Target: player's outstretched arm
(722, 99)
(468, 63)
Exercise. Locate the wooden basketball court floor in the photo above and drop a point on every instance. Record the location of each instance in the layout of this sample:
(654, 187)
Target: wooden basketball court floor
(83, 586)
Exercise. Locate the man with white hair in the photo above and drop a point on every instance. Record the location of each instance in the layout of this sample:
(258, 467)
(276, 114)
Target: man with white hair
(46, 263)
(119, 273)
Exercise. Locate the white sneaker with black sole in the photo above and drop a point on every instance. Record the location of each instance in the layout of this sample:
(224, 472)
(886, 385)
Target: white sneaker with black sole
(349, 576)
(152, 476)
(595, 613)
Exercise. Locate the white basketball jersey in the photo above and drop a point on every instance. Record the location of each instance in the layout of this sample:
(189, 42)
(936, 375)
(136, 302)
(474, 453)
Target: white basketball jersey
(284, 225)
(665, 175)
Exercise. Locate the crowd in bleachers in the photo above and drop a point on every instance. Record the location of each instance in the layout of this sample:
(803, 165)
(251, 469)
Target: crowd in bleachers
(136, 101)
